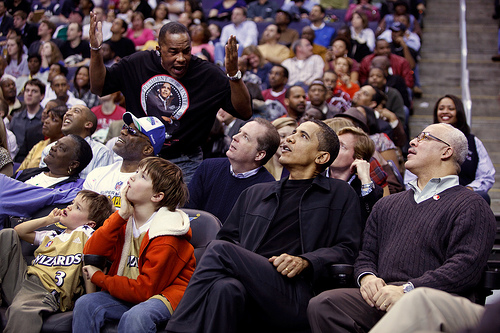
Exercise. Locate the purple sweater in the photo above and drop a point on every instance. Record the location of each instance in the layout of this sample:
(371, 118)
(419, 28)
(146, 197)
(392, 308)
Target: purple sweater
(442, 244)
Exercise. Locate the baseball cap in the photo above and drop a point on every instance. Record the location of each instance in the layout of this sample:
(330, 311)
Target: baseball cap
(398, 26)
(152, 127)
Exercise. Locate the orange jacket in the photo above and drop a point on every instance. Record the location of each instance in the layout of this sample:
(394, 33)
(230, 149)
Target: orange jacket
(166, 261)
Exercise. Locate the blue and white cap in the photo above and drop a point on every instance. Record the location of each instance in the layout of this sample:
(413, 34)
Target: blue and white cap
(152, 127)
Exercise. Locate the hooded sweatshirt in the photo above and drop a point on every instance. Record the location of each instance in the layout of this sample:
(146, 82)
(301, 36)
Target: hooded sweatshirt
(165, 260)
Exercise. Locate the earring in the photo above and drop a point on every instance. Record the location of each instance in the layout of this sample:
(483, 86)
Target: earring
(158, 53)
(69, 171)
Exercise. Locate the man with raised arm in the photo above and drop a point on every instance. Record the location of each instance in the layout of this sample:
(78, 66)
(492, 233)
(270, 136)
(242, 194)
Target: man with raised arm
(199, 89)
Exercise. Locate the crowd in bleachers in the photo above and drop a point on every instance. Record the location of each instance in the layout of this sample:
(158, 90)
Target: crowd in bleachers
(352, 65)
(43, 38)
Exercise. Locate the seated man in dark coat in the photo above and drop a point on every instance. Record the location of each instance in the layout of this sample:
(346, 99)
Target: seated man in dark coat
(275, 248)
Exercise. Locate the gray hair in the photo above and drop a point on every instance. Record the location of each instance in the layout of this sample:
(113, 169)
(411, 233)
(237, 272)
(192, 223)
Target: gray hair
(295, 44)
(457, 140)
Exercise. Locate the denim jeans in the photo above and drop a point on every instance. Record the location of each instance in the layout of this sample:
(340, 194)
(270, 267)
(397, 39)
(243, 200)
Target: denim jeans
(188, 164)
(93, 311)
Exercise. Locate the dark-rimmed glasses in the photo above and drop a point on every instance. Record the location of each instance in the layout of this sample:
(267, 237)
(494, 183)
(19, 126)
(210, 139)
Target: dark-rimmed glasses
(429, 136)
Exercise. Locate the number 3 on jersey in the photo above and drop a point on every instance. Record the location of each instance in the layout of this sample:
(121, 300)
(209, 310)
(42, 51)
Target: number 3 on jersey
(60, 275)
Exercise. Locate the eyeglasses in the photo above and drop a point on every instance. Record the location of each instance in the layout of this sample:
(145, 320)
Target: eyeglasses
(429, 136)
(130, 130)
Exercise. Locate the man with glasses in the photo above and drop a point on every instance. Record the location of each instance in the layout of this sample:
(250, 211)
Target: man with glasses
(139, 138)
(436, 235)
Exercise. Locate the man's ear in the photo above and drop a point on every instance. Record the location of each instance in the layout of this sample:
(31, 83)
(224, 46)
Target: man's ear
(260, 155)
(157, 197)
(73, 165)
(448, 153)
(287, 101)
(372, 105)
(91, 224)
(148, 150)
(322, 158)
(88, 125)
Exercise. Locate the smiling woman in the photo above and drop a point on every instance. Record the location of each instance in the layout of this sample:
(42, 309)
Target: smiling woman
(477, 172)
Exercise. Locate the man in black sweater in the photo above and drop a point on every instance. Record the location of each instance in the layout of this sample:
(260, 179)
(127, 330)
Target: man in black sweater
(274, 250)
(437, 235)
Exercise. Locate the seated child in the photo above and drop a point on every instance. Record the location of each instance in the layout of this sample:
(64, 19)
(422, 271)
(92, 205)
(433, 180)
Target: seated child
(53, 282)
(147, 240)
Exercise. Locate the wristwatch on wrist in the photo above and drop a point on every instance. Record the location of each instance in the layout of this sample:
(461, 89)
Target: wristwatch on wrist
(236, 76)
(368, 185)
(407, 287)
(95, 48)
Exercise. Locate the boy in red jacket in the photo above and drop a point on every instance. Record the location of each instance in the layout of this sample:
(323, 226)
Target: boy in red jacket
(147, 240)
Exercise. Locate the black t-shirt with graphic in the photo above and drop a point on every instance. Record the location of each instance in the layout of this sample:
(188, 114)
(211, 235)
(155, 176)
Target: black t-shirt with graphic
(187, 107)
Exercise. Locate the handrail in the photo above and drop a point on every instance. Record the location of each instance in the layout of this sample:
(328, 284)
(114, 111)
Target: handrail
(466, 99)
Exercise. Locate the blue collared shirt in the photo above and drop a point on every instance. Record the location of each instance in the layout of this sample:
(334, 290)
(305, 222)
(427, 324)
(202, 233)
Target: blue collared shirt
(244, 174)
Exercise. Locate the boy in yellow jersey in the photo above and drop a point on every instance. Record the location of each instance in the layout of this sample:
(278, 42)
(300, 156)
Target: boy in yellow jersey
(53, 281)
(147, 240)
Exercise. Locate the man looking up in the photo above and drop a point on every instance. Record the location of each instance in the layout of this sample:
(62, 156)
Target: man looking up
(324, 34)
(199, 88)
(139, 138)
(276, 245)
(271, 50)
(309, 34)
(74, 45)
(122, 46)
(218, 182)
(79, 120)
(46, 29)
(438, 235)
(305, 66)
(288, 35)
